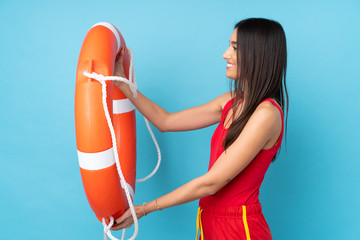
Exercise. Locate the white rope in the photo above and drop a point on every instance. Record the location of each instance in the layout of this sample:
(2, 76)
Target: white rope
(102, 78)
(122, 178)
(158, 151)
(107, 232)
(133, 87)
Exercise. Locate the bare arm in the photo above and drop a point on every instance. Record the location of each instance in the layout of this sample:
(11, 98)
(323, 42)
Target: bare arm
(189, 119)
(259, 130)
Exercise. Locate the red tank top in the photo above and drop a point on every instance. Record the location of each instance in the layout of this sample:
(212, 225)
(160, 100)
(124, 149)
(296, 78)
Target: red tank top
(244, 188)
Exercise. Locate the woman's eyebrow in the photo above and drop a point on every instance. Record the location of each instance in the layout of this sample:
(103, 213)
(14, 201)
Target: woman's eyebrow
(233, 42)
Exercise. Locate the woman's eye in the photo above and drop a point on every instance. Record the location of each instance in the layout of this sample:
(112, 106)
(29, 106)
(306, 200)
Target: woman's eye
(234, 48)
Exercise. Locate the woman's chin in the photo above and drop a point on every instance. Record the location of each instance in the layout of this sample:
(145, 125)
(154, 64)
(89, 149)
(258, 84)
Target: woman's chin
(230, 76)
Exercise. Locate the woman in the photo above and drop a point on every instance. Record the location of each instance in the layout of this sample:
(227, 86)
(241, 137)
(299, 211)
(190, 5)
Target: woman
(245, 142)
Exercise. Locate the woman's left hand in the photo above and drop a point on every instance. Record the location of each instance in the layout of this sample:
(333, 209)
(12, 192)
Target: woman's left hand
(126, 220)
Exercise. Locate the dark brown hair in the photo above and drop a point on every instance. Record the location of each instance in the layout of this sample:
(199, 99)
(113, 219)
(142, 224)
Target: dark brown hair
(261, 61)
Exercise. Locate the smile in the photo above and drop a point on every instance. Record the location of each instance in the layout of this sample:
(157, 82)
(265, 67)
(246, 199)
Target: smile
(229, 65)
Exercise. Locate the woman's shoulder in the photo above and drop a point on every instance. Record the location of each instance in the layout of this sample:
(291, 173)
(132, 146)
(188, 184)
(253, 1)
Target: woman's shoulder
(271, 105)
(225, 99)
(270, 110)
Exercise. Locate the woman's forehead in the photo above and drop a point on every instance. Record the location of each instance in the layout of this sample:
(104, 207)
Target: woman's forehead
(233, 37)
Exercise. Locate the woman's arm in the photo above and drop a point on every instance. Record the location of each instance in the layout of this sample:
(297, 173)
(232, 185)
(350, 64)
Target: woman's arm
(189, 119)
(261, 128)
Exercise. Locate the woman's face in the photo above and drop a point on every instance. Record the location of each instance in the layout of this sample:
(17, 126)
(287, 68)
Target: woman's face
(230, 56)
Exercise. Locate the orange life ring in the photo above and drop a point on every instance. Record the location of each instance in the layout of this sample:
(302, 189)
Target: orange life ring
(100, 178)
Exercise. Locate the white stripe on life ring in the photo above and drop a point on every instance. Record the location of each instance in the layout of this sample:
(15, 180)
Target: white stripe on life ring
(96, 161)
(113, 29)
(100, 160)
(122, 106)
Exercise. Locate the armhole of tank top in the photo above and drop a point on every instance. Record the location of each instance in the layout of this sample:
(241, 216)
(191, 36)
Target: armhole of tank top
(282, 123)
(225, 110)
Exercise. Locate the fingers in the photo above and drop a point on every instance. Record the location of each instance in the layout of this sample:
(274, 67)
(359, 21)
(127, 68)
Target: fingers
(122, 54)
(124, 221)
(120, 58)
(126, 215)
(118, 68)
(125, 224)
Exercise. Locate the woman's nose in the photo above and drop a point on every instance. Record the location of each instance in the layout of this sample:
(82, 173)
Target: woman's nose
(226, 54)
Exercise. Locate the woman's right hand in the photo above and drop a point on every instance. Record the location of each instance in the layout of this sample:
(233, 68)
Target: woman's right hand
(119, 68)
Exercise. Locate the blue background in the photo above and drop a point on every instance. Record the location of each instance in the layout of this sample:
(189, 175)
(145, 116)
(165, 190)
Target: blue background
(312, 190)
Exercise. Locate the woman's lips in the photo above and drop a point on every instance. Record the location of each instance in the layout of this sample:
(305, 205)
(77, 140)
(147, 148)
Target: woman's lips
(229, 65)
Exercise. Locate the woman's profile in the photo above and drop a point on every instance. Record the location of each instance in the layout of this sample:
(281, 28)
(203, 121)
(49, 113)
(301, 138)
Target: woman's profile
(247, 139)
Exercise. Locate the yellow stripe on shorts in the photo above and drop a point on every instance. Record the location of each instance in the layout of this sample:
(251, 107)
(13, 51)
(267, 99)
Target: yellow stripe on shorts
(199, 225)
(246, 224)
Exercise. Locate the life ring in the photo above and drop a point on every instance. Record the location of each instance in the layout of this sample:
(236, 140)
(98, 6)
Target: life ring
(100, 178)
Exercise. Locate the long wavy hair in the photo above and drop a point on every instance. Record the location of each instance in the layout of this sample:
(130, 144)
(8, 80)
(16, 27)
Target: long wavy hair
(261, 61)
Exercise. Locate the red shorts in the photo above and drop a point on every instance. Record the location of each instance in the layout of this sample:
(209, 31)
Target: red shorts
(233, 223)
